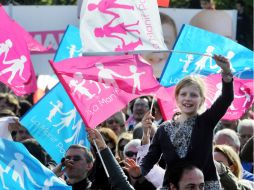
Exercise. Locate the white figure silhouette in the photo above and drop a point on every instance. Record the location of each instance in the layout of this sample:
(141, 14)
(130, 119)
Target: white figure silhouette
(78, 81)
(56, 108)
(187, 62)
(73, 50)
(5, 47)
(66, 121)
(247, 95)
(78, 87)
(17, 65)
(136, 78)
(107, 75)
(74, 138)
(2, 177)
(20, 169)
(200, 65)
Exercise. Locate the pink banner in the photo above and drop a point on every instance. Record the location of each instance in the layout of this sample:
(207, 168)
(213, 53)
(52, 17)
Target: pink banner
(243, 97)
(16, 70)
(102, 85)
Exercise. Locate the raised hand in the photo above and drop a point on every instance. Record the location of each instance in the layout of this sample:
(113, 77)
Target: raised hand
(132, 168)
(223, 63)
(94, 134)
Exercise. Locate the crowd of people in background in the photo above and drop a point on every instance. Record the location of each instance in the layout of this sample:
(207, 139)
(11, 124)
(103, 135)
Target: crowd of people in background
(136, 149)
(141, 151)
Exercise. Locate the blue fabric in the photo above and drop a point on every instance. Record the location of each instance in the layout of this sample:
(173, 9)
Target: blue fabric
(192, 39)
(20, 170)
(247, 175)
(54, 126)
(70, 45)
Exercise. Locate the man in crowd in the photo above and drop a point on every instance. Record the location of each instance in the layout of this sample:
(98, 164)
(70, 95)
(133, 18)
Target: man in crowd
(76, 164)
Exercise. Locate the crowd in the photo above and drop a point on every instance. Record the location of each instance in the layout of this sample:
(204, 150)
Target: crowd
(141, 151)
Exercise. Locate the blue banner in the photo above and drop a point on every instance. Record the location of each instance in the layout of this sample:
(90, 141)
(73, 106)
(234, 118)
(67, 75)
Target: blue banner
(70, 45)
(195, 41)
(53, 121)
(20, 170)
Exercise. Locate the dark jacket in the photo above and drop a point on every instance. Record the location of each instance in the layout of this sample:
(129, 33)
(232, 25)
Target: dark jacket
(200, 151)
(118, 179)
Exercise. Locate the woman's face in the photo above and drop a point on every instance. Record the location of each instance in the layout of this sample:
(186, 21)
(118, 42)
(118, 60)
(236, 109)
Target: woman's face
(219, 157)
(121, 145)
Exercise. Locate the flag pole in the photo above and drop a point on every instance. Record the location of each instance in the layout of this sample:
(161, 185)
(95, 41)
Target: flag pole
(194, 53)
(102, 161)
(152, 104)
(149, 130)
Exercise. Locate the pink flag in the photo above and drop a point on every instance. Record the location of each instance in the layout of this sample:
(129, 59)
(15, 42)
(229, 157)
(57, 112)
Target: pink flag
(32, 44)
(16, 70)
(243, 97)
(102, 85)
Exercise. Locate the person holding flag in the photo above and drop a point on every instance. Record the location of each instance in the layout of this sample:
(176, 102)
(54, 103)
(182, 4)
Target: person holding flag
(189, 135)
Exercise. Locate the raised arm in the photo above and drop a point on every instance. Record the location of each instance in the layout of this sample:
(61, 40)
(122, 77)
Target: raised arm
(117, 179)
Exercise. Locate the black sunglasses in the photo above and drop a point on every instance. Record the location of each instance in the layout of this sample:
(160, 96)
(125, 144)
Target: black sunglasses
(74, 158)
(131, 154)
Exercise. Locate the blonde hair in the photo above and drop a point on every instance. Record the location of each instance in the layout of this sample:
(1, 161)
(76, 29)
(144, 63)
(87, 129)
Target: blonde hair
(188, 81)
(128, 136)
(232, 158)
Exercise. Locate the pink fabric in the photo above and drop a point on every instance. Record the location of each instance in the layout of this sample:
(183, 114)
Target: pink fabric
(102, 85)
(243, 97)
(16, 70)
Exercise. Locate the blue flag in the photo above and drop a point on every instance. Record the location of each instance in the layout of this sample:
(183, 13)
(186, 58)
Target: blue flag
(20, 170)
(53, 121)
(70, 45)
(192, 39)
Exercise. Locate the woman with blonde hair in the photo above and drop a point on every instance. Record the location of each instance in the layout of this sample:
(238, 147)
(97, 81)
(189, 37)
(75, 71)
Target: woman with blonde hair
(229, 168)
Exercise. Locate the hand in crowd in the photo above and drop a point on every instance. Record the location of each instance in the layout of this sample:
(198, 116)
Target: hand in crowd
(147, 123)
(223, 63)
(94, 134)
(60, 168)
(132, 168)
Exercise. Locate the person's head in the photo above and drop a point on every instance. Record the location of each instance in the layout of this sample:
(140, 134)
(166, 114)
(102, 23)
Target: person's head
(158, 60)
(36, 150)
(19, 133)
(245, 130)
(116, 123)
(24, 107)
(185, 176)
(219, 22)
(207, 4)
(9, 101)
(227, 137)
(109, 137)
(190, 95)
(138, 131)
(229, 124)
(156, 111)
(240, 6)
(226, 155)
(140, 107)
(82, 163)
(123, 139)
(131, 149)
